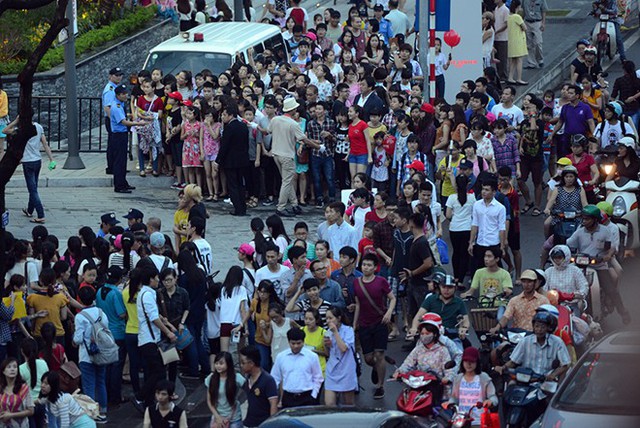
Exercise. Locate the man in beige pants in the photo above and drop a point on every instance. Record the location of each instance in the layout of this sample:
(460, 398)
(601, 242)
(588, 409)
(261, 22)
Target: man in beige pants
(535, 12)
(285, 132)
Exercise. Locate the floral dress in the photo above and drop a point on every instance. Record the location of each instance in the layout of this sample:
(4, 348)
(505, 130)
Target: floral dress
(191, 148)
(211, 145)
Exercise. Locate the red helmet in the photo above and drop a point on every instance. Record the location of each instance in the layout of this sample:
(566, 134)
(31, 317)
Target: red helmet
(431, 318)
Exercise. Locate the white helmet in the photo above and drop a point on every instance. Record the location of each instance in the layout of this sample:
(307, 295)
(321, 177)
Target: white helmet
(627, 141)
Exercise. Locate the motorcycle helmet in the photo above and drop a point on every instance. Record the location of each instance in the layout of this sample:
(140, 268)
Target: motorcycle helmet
(569, 170)
(551, 310)
(605, 207)
(431, 318)
(592, 211)
(546, 318)
(627, 141)
(616, 107)
(591, 49)
(541, 277)
(564, 162)
(579, 140)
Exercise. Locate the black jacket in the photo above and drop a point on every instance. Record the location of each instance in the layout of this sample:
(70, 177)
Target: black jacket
(234, 145)
(372, 103)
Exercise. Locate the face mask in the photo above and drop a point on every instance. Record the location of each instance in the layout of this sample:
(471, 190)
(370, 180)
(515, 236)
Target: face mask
(426, 338)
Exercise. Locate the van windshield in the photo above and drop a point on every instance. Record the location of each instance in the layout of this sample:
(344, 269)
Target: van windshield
(176, 61)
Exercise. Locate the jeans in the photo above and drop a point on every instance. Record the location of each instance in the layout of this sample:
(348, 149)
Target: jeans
(619, 41)
(93, 383)
(31, 173)
(131, 344)
(265, 356)
(141, 160)
(114, 374)
(201, 355)
(323, 166)
(154, 371)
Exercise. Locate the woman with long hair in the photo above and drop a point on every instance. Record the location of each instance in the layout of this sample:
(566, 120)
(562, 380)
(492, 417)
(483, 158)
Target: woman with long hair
(223, 389)
(234, 312)
(16, 402)
(18, 263)
(52, 352)
(460, 128)
(340, 375)
(375, 51)
(191, 277)
(360, 151)
(125, 258)
(278, 233)
(130, 298)
(324, 256)
(265, 297)
(627, 163)
(212, 309)
(458, 211)
(62, 405)
(31, 371)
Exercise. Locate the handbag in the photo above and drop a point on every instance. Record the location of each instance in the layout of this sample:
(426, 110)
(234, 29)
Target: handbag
(184, 339)
(303, 156)
(88, 404)
(366, 294)
(69, 377)
(443, 249)
(168, 352)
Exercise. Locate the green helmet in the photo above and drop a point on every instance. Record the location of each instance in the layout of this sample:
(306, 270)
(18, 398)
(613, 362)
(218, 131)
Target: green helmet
(592, 211)
(605, 207)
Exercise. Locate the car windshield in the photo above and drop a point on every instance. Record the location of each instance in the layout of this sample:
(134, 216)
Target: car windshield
(176, 61)
(601, 385)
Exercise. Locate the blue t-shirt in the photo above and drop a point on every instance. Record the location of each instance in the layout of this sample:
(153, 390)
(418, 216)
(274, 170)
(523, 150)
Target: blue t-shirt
(258, 396)
(109, 299)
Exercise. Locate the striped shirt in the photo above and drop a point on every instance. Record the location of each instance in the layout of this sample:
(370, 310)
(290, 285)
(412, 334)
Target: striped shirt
(507, 153)
(539, 358)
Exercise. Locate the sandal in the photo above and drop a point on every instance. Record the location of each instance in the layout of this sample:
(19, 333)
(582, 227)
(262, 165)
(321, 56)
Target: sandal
(526, 209)
(521, 83)
(37, 220)
(209, 198)
(143, 174)
(391, 337)
(155, 174)
(26, 213)
(536, 212)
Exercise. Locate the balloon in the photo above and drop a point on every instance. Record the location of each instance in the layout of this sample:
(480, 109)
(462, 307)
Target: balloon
(452, 38)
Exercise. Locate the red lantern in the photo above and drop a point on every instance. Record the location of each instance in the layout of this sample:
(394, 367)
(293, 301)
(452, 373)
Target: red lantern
(452, 38)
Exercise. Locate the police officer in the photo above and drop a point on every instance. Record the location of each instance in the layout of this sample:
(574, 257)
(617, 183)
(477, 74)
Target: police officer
(120, 139)
(108, 97)
(134, 216)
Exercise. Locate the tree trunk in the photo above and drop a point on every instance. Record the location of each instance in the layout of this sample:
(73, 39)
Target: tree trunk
(18, 141)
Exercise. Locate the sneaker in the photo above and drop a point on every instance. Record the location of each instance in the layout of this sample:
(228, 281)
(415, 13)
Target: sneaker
(319, 203)
(175, 185)
(101, 419)
(374, 376)
(268, 202)
(139, 405)
(378, 393)
(227, 201)
(182, 186)
(296, 209)
(285, 213)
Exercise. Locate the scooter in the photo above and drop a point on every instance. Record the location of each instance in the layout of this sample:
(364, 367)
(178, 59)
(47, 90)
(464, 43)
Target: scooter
(422, 393)
(525, 399)
(624, 195)
(603, 36)
(594, 301)
(453, 417)
(569, 221)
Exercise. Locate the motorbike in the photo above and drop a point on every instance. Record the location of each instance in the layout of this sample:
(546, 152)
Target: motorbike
(594, 302)
(526, 398)
(603, 36)
(624, 195)
(422, 393)
(569, 221)
(454, 417)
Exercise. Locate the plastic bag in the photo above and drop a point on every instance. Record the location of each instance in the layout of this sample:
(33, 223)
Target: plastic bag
(443, 249)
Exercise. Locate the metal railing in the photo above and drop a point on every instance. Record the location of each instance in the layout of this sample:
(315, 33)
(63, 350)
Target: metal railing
(50, 112)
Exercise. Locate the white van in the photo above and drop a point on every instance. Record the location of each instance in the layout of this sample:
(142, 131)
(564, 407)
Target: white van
(222, 41)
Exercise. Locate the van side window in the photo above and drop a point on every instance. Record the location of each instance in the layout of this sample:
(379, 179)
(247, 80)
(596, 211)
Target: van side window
(257, 49)
(275, 43)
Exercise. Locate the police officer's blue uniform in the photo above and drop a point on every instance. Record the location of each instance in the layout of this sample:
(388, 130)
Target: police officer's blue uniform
(119, 143)
(108, 97)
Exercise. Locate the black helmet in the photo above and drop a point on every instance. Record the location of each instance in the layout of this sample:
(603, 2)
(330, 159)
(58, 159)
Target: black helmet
(546, 318)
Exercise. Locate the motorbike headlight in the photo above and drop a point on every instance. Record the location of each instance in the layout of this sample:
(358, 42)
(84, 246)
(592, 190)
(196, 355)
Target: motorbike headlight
(523, 377)
(608, 169)
(619, 206)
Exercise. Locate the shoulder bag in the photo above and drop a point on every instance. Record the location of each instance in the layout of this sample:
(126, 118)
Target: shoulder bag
(368, 296)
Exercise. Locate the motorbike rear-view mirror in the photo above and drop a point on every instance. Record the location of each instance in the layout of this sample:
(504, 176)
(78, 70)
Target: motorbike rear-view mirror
(449, 365)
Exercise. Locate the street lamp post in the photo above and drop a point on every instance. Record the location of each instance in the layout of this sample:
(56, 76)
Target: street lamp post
(73, 143)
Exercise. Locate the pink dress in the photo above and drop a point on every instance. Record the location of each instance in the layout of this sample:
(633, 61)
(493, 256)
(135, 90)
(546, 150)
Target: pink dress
(211, 145)
(191, 148)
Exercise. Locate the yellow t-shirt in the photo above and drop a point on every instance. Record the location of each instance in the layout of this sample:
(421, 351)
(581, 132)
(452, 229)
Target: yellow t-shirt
(447, 188)
(373, 131)
(315, 340)
(132, 313)
(263, 315)
(19, 306)
(53, 304)
(181, 221)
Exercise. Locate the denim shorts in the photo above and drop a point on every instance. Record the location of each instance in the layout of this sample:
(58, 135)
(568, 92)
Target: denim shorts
(359, 159)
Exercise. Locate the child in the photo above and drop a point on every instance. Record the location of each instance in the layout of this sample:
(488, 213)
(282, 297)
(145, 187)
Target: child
(173, 138)
(164, 413)
(549, 99)
(181, 221)
(342, 150)
(381, 162)
(224, 386)
(191, 136)
(89, 275)
(374, 123)
(18, 300)
(365, 246)
(211, 146)
(472, 385)
(302, 58)
(405, 80)
(412, 154)
(324, 82)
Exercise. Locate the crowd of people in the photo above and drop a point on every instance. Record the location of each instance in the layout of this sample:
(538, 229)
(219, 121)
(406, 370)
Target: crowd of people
(294, 322)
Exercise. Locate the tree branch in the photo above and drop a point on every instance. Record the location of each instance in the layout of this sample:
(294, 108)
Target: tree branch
(22, 4)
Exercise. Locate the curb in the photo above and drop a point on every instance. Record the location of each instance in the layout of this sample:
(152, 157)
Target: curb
(149, 182)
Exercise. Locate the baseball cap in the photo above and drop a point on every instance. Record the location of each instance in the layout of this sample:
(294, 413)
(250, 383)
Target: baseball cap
(564, 162)
(246, 249)
(134, 213)
(114, 274)
(466, 164)
(427, 108)
(175, 95)
(157, 240)
(417, 165)
(120, 89)
(116, 71)
(311, 35)
(529, 274)
(109, 218)
(471, 354)
(378, 8)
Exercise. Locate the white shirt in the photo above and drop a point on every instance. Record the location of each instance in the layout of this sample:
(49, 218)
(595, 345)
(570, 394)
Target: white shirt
(399, 22)
(230, 306)
(265, 273)
(359, 214)
(461, 220)
(513, 115)
(490, 219)
(343, 235)
(159, 260)
(501, 14)
(146, 303)
(213, 321)
(204, 257)
(299, 372)
(82, 334)
(32, 149)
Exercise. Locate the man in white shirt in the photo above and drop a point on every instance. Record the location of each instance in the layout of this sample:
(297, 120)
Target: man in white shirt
(272, 271)
(488, 225)
(340, 233)
(501, 38)
(157, 242)
(149, 335)
(297, 373)
(195, 232)
(506, 109)
(399, 20)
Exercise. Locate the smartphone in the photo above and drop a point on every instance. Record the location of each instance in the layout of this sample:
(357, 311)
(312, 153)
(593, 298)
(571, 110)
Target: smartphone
(236, 337)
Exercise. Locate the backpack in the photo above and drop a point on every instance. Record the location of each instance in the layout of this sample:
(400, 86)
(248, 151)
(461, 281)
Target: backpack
(103, 349)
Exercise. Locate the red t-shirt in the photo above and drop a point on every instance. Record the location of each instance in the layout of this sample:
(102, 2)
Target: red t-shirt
(357, 139)
(584, 168)
(389, 144)
(373, 216)
(57, 357)
(143, 104)
(378, 290)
